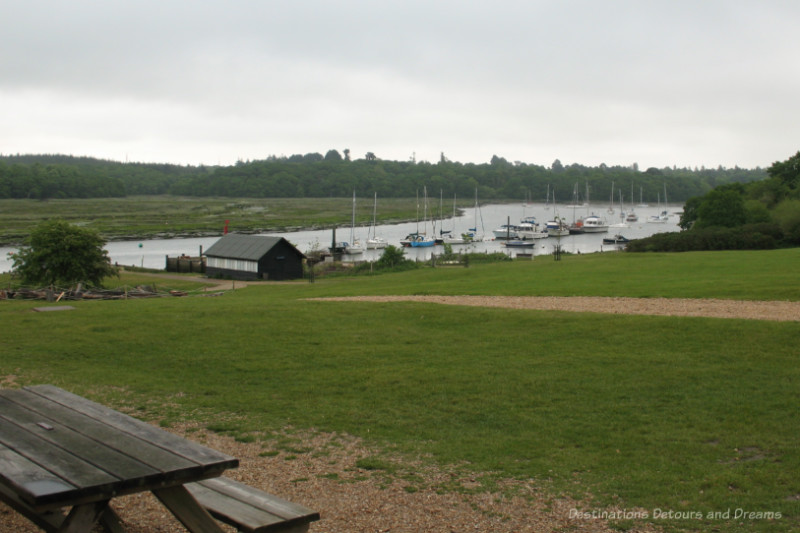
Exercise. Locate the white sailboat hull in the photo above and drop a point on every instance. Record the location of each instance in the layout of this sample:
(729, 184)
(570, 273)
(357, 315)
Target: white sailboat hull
(526, 235)
(376, 244)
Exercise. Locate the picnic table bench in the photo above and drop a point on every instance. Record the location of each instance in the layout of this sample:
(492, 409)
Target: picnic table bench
(59, 450)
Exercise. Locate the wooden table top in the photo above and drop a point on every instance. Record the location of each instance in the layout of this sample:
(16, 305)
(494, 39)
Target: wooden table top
(58, 449)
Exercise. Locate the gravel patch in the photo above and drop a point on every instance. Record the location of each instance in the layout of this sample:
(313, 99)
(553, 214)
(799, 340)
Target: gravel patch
(753, 310)
(323, 474)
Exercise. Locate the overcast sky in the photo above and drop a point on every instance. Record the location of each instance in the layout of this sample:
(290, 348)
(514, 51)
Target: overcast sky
(659, 83)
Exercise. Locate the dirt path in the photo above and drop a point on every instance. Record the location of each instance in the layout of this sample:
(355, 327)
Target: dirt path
(713, 308)
(754, 310)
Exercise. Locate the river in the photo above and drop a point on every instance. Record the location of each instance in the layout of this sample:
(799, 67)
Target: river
(151, 253)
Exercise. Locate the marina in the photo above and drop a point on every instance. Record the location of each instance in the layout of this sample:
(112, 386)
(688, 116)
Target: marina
(152, 253)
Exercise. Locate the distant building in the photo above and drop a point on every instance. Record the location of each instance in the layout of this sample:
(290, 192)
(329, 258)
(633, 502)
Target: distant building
(253, 257)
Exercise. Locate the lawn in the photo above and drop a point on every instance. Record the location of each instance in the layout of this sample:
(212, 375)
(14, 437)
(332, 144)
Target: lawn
(670, 413)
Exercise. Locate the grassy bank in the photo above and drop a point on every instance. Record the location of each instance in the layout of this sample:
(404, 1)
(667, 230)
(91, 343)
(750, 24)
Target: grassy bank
(156, 216)
(682, 414)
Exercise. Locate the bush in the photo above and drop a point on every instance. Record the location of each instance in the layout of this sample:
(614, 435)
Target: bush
(787, 217)
(762, 236)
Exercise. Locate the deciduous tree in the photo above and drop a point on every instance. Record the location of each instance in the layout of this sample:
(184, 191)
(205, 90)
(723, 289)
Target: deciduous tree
(60, 254)
(721, 207)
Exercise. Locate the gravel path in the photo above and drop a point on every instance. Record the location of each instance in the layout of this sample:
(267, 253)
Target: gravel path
(754, 310)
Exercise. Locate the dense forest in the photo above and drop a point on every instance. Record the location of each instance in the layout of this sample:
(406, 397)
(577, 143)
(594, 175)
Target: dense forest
(334, 175)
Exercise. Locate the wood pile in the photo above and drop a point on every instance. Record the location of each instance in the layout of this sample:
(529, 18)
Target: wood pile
(78, 293)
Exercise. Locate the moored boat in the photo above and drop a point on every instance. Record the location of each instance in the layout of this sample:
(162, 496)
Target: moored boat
(506, 231)
(354, 246)
(594, 224)
(422, 241)
(529, 229)
(576, 228)
(449, 238)
(519, 244)
(663, 217)
(616, 239)
(556, 227)
(375, 242)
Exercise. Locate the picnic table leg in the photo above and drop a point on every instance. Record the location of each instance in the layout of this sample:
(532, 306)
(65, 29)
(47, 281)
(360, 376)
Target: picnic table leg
(82, 517)
(53, 521)
(111, 521)
(186, 509)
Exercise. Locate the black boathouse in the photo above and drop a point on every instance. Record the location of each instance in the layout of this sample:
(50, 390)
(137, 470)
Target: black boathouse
(254, 257)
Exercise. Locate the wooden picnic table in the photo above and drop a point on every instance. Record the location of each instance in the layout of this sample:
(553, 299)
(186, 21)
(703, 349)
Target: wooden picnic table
(59, 450)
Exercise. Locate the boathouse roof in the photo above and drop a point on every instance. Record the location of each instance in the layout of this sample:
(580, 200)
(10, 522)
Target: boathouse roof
(248, 247)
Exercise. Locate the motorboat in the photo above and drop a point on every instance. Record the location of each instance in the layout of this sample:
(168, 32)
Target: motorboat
(506, 231)
(594, 224)
(556, 228)
(616, 239)
(528, 229)
(576, 228)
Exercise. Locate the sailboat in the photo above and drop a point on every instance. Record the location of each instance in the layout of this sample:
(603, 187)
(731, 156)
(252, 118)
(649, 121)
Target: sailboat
(611, 200)
(622, 218)
(412, 236)
(632, 216)
(472, 234)
(439, 238)
(641, 202)
(374, 242)
(450, 237)
(663, 217)
(354, 246)
(556, 227)
(576, 228)
(423, 240)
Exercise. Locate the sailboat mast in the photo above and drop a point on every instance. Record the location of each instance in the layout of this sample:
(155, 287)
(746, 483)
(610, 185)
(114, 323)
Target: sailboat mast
(374, 214)
(353, 220)
(454, 212)
(417, 211)
(425, 208)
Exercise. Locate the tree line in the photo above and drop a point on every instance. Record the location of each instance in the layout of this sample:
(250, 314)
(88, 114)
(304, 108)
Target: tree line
(333, 175)
(761, 214)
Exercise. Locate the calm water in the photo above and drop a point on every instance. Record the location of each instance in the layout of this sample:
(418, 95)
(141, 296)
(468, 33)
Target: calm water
(152, 253)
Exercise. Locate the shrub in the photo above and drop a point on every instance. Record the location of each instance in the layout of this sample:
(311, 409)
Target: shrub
(761, 236)
(787, 217)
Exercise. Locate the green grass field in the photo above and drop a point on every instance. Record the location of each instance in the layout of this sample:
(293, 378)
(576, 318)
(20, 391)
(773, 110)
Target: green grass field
(670, 413)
